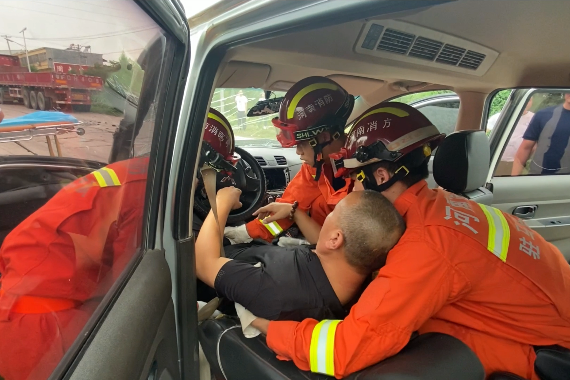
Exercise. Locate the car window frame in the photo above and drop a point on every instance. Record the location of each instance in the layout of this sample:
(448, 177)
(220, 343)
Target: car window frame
(510, 116)
(173, 78)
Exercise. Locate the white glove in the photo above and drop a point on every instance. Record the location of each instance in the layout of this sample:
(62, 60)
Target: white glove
(245, 317)
(237, 235)
(286, 241)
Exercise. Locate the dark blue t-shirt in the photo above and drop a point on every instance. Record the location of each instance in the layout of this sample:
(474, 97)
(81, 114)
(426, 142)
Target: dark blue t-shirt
(559, 139)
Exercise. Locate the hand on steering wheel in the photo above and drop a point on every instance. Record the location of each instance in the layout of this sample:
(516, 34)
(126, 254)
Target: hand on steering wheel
(274, 211)
(229, 197)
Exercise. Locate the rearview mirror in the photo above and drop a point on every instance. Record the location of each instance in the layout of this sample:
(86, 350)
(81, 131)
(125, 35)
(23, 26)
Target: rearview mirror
(265, 107)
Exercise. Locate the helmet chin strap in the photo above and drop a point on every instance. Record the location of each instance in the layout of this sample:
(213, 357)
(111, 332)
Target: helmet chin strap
(366, 175)
(318, 155)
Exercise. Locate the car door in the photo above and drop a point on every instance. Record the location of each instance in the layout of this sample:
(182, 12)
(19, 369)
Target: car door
(116, 316)
(541, 200)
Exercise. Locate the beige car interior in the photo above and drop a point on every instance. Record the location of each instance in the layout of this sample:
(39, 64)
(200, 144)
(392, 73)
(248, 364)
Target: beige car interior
(505, 44)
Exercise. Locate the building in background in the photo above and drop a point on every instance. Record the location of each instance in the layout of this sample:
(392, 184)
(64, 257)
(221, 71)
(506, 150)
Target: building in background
(60, 60)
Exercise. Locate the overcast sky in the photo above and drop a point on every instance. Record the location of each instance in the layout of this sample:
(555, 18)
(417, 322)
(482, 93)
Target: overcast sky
(108, 26)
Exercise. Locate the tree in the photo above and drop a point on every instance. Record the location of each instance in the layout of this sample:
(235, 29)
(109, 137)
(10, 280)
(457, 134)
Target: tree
(499, 101)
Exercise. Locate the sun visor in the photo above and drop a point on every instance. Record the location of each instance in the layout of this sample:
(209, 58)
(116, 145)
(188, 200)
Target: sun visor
(243, 75)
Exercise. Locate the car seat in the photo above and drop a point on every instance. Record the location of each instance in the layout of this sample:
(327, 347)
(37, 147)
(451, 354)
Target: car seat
(461, 165)
(430, 356)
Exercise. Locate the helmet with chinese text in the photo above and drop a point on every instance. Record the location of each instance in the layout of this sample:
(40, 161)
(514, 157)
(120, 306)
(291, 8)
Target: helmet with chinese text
(312, 106)
(388, 131)
(218, 146)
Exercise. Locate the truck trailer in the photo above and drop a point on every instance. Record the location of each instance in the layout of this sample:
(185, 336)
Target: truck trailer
(45, 90)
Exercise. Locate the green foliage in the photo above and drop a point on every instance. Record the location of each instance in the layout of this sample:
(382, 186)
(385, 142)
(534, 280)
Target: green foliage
(100, 104)
(499, 101)
(34, 69)
(131, 80)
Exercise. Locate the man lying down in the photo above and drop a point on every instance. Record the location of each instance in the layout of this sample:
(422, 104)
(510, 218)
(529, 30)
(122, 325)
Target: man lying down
(298, 283)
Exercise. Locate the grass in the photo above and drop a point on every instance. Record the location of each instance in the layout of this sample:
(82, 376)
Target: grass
(106, 110)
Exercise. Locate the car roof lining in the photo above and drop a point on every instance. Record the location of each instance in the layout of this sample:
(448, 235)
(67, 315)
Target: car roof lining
(516, 29)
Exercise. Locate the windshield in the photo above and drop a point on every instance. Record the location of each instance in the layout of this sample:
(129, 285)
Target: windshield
(234, 104)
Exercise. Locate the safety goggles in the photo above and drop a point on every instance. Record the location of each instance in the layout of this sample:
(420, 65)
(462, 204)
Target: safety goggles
(288, 135)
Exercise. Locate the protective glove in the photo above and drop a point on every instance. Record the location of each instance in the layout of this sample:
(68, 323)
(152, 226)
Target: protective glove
(286, 241)
(237, 235)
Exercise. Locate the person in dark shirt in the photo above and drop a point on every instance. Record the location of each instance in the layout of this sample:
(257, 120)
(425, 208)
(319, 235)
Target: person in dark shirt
(549, 133)
(298, 283)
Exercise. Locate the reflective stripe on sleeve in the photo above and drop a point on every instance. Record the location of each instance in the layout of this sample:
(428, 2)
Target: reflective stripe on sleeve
(106, 177)
(499, 232)
(321, 353)
(273, 227)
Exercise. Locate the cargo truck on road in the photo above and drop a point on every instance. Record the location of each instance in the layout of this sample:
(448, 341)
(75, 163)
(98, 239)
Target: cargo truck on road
(45, 90)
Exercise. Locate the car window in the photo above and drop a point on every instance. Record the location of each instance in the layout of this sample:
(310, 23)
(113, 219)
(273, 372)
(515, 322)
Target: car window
(538, 142)
(495, 109)
(442, 114)
(234, 104)
(440, 107)
(80, 106)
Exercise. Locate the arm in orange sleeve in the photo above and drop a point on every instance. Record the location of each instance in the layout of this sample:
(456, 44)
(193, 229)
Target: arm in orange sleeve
(415, 283)
(303, 189)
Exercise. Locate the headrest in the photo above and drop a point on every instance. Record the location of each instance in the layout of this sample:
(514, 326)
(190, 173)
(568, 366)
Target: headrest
(462, 160)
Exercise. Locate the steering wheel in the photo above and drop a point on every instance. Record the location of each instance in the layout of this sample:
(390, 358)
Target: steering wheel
(249, 177)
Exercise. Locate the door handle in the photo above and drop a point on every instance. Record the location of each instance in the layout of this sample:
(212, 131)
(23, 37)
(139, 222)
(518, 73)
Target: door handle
(525, 212)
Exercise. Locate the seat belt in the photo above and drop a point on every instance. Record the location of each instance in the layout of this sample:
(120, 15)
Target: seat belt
(209, 178)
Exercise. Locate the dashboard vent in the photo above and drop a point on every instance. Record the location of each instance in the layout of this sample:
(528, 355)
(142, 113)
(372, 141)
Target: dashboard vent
(401, 41)
(260, 161)
(281, 160)
(425, 48)
(396, 41)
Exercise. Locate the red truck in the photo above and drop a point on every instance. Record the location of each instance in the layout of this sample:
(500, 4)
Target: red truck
(45, 90)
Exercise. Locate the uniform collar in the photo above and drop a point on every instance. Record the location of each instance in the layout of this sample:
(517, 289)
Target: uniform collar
(408, 197)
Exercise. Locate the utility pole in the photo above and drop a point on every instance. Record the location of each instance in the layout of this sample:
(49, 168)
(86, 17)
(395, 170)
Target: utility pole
(26, 49)
(6, 37)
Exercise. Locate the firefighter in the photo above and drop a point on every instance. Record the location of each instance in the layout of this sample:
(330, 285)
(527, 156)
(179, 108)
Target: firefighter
(312, 117)
(58, 263)
(461, 268)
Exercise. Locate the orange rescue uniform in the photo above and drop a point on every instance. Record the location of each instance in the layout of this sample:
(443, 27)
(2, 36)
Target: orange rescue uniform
(59, 263)
(316, 197)
(460, 268)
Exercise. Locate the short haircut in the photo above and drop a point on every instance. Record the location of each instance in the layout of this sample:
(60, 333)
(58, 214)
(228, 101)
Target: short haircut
(371, 227)
(414, 176)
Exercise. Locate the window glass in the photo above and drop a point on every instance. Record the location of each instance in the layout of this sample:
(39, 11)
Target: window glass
(440, 107)
(538, 143)
(235, 103)
(497, 105)
(75, 145)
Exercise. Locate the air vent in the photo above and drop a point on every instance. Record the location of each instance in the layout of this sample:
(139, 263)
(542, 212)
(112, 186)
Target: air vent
(450, 55)
(472, 60)
(401, 41)
(395, 41)
(281, 160)
(260, 161)
(425, 48)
